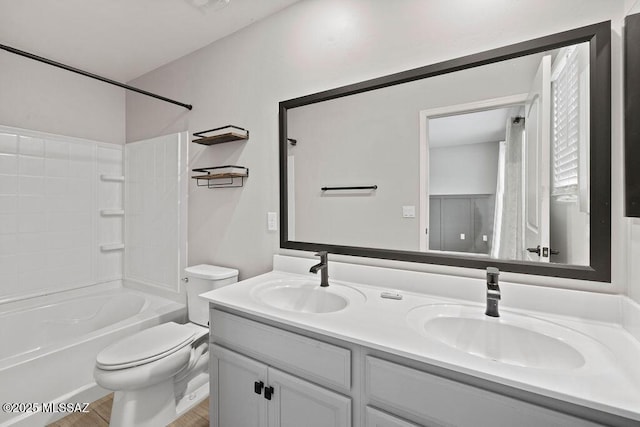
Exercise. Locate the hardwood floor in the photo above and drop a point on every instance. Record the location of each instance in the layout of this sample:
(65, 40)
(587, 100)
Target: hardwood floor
(100, 413)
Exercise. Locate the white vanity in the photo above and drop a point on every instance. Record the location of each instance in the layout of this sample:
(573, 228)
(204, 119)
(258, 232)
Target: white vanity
(285, 352)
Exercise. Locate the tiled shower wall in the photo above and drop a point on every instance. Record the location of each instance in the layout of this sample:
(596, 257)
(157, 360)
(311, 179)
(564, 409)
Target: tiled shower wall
(56, 213)
(155, 196)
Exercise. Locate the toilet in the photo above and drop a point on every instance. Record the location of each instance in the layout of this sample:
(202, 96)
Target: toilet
(161, 372)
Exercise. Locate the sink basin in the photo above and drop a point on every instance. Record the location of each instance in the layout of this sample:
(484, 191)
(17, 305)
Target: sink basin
(306, 296)
(510, 339)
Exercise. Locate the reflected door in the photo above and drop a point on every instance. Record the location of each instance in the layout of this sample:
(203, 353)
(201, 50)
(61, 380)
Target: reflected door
(536, 165)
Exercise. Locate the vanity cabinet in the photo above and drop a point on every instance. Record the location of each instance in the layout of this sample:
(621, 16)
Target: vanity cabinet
(376, 418)
(250, 393)
(438, 401)
(314, 382)
(249, 385)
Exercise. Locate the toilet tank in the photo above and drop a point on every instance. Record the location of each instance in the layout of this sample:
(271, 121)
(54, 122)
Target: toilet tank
(204, 278)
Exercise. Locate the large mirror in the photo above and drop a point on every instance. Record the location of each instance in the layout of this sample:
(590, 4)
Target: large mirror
(496, 159)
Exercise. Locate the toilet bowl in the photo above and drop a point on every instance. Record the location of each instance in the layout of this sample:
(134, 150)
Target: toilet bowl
(161, 372)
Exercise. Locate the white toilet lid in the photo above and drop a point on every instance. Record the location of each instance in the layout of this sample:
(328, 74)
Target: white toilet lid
(145, 346)
(210, 272)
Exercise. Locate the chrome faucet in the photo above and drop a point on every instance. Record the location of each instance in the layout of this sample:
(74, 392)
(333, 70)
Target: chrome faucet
(323, 267)
(493, 292)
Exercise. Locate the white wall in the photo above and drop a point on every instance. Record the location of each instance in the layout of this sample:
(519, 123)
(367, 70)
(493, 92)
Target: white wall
(41, 97)
(321, 44)
(464, 169)
(569, 232)
(51, 226)
(376, 144)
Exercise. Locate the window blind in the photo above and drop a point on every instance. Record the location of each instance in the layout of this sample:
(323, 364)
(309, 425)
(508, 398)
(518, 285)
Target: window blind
(565, 90)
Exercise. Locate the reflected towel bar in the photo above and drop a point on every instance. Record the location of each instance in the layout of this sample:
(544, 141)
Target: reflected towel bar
(367, 187)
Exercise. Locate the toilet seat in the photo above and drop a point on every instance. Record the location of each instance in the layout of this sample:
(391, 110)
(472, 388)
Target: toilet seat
(145, 347)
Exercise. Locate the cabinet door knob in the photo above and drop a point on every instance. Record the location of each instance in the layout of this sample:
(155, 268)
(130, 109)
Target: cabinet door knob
(268, 392)
(257, 387)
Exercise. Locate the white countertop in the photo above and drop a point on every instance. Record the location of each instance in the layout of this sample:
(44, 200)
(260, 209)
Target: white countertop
(609, 381)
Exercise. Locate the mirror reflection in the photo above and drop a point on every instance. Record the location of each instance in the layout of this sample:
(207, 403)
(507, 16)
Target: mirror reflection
(490, 161)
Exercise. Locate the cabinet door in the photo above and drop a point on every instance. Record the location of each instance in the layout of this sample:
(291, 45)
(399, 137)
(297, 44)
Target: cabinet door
(234, 401)
(296, 403)
(377, 418)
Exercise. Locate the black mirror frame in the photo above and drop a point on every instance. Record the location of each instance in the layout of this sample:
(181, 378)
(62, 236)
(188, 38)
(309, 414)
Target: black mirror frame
(631, 114)
(599, 268)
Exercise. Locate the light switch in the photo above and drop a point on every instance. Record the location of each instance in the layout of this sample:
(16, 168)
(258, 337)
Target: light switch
(485, 238)
(462, 236)
(272, 221)
(408, 211)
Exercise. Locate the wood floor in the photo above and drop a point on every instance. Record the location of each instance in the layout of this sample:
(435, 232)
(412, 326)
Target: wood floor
(100, 413)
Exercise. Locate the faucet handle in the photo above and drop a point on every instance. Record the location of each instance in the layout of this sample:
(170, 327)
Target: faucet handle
(322, 254)
(493, 270)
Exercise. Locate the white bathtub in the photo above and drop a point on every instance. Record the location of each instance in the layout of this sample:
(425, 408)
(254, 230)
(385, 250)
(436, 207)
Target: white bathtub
(48, 345)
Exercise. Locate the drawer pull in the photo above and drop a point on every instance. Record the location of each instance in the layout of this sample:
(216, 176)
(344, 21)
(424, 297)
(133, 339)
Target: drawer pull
(268, 392)
(257, 387)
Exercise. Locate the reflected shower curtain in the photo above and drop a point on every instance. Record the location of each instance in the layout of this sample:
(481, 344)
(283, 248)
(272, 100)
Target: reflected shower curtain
(508, 232)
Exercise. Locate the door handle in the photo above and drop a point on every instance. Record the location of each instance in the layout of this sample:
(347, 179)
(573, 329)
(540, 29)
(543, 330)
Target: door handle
(545, 251)
(535, 250)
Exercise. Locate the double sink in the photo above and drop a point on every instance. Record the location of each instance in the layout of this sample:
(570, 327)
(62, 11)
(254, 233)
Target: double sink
(514, 339)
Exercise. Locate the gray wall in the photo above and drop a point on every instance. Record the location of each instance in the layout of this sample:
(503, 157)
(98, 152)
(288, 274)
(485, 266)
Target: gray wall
(40, 97)
(373, 138)
(464, 169)
(321, 44)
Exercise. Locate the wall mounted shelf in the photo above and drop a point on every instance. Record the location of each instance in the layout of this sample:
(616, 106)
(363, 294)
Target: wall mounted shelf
(220, 135)
(221, 176)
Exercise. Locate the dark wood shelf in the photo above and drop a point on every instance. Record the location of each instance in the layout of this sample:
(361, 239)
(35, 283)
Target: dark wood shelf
(221, 175)
(226, 177)
(228, 133)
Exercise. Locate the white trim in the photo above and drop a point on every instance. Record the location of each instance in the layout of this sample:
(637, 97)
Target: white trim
(449, 110)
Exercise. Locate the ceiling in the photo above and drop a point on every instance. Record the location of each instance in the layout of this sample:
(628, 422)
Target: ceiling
(471, 128)
(124, 39)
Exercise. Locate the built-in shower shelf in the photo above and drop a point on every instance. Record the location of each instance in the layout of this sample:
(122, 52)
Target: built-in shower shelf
(114, 178)
(221, 176)
(222, 134)
(112, 247)
(112, 212)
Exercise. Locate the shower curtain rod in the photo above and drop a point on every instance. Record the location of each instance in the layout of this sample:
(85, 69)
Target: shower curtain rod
(91, 75)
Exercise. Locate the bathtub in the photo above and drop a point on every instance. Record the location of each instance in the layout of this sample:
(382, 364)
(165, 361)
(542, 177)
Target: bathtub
(48, 345)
